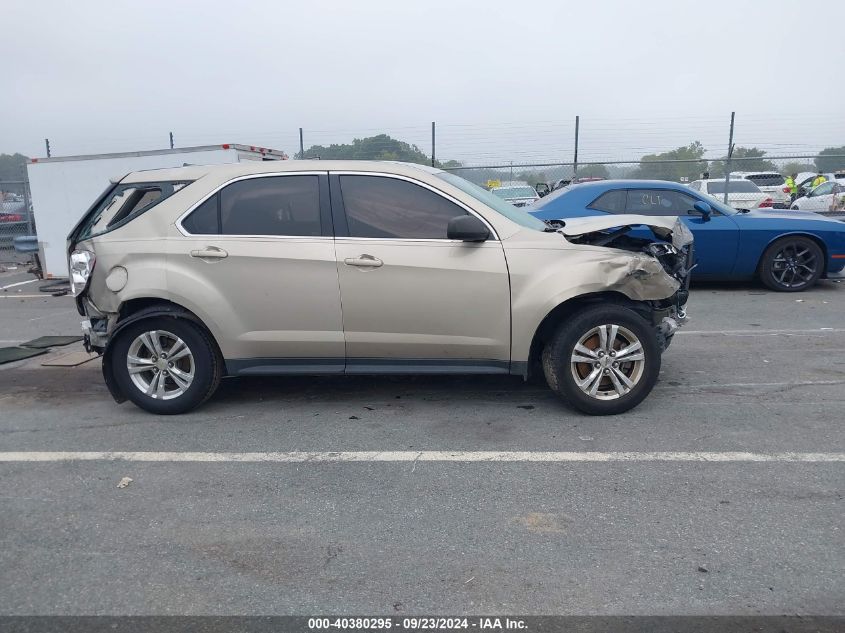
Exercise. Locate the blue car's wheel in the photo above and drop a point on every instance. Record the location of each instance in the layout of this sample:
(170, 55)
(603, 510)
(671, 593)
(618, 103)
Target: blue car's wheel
(791, 264)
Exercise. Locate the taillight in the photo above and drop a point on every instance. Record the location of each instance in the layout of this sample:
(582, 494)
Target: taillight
(81, 267)
(786, 189)
(768, 202)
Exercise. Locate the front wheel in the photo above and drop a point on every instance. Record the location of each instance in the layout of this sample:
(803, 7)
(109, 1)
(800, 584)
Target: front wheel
(603, 360)
(165, 365)
(791, 264)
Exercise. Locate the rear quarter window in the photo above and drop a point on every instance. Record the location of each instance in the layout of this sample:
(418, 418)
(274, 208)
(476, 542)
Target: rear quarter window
(125, 203)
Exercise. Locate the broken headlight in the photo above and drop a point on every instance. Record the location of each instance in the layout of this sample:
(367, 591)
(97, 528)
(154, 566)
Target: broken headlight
(81, 267)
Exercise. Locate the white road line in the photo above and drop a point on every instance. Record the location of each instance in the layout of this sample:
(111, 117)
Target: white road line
(418, 456)
(20, 283)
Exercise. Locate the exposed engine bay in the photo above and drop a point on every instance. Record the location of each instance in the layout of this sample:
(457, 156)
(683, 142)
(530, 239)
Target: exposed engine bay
(656, 271)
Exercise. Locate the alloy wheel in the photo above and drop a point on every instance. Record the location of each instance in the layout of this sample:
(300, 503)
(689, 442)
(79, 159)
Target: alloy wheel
(160, 364)
(794, 265)
(607, 362)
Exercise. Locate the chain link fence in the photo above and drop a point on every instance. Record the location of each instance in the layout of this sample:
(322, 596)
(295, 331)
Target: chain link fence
(770, 175)
(16, 218)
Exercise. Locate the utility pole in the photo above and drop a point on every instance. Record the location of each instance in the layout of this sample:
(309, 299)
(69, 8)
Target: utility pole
(432, 144)
(575, 161)
(301, 145)
(728, 161)
(171, 140)
(47, 143)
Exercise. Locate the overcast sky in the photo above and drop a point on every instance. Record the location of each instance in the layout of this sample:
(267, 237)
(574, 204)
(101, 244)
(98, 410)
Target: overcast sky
(503, 80)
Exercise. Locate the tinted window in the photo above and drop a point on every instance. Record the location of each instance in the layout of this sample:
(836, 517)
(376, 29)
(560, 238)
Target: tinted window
(766, 180)
(734, 186)
(658, 202)
(610, 201)
(203, 220)
(277, 205)
(387, 207)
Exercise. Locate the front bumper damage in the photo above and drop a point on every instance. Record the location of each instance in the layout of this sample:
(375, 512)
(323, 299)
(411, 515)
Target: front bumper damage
(652, 271)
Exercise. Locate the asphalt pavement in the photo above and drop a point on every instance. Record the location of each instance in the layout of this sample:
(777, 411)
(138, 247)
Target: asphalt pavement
(754, 373)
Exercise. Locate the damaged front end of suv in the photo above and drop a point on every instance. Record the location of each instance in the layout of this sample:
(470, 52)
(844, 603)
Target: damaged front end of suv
(658, 272)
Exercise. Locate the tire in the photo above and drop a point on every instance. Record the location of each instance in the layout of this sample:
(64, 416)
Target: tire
(611, 394)
(135, 345)
(791, 264)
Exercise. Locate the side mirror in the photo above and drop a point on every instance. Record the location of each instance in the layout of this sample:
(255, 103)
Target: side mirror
(701, 208)
(467, 228)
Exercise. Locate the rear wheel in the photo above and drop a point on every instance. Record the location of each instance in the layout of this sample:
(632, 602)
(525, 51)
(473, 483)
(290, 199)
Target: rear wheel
(603, 360)
(166, 365)
(791, 264)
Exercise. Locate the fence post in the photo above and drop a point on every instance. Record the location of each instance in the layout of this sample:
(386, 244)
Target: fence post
(28, 206)
(432, 144)
(301, 145)
(575, 161)
(171, 140)
(47, 143)
(728, 160)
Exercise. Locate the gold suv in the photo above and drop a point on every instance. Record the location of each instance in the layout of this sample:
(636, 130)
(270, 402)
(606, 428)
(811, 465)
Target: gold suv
(188, 275)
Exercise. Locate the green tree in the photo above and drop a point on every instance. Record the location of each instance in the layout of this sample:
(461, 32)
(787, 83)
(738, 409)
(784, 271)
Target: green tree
(12, 168)
(379, 147)
(692, 169)
(826, 160)
(752, 159)
(593, 171)
(796, 168)
(532, 177)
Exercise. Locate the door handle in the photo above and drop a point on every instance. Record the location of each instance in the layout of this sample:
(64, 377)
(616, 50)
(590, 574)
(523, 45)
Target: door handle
(364, 261)
(210, 252)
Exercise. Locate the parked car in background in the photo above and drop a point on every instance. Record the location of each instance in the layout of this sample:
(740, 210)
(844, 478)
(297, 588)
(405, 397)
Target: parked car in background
(13, 218)
(742, 194)
(787, 250)
(769, 182)
(172, 271)
(805, 181)
(827, 197)
(542, 189)
(517, 195)
(560, 184)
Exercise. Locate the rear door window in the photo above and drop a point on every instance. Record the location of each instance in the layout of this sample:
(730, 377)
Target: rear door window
(277, 205)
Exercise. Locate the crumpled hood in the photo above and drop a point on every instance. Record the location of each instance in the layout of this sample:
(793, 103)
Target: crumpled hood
(668, 228)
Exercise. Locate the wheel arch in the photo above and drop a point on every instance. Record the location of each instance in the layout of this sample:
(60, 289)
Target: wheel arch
(557, 315)
(138, 309)
(811, 236)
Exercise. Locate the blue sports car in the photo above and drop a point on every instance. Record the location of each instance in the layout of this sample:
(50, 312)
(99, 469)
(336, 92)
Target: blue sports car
(787, 250)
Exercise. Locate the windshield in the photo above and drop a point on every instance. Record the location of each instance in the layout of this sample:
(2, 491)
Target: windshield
(514, 192)
(735, 186)
(497, 204)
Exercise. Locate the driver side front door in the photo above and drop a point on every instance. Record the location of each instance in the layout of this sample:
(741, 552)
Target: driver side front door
(412, 299)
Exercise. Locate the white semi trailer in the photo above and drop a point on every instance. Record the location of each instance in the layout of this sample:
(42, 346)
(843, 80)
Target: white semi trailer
(63, 187)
